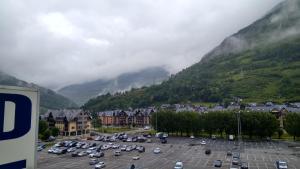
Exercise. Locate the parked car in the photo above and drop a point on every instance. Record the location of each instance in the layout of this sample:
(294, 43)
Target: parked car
(235, 161)
(129, 148)
(156, 150)
(85, 146)
(62, 150)
(100, 165)
(93, 161)
(40, 147)
(244, 165)
(229, 153)
(75, 154)
(163, 141)
(192, 137)
(178, 165)
(123, 148)
(51, 138)
(207, 151)
(147, 128)
(58, 144)
(115, 146)
(217, 163)
(96, 154)
(141, 139)
(134, 147)
(235, 155)
(281, 165)
(203, 142)
(90, 151)
(72, 149)
(117, 153)
(134, 139)
(141, 149)
(136, 157)
(82, 153)
(213, 137)
(99, 138)
(52, 149)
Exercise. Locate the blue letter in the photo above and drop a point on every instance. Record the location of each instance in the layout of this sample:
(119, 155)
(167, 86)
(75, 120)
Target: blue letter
(22, 116)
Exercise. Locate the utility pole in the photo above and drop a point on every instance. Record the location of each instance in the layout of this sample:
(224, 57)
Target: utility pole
(156, 121)
(239, 128)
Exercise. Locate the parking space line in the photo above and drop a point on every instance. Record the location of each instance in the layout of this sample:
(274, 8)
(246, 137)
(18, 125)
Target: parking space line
(266, 165)
(257, 166)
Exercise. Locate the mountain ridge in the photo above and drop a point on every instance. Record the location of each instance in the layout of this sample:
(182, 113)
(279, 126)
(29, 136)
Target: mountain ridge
(49, 99)
(259, 63)
(81, 93)
(275, 25)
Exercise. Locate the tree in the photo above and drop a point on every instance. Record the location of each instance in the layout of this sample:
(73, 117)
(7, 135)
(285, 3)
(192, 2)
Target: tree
(46, 134)
(55, 131)
(43, 126)
(280, 132)
(96, 122)
(292, 124)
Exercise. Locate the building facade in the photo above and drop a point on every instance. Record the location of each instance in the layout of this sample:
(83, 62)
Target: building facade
(69, 122)
(138, 117)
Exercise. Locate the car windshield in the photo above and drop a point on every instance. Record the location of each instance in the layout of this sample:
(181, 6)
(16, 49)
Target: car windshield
(283, 164)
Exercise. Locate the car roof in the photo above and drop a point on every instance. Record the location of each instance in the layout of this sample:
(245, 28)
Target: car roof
(281, 161)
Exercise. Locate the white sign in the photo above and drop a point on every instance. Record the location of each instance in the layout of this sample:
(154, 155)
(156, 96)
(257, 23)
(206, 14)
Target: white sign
(19, 109)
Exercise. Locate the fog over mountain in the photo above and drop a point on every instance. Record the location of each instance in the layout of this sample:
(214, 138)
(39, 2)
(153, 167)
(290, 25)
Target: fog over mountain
(57, 43)
(81, 93)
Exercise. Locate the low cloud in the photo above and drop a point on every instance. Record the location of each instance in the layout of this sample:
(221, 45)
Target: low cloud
(57, 43)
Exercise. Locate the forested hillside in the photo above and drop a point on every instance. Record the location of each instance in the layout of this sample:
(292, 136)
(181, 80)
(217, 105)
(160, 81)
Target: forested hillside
(48, 98)
(259, 63)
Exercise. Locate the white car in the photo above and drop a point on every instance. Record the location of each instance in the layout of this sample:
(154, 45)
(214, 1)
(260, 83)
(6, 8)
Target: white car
(129, 148)
(117, 153)
(92, 148)
(123, 148)
(136, 157)
(72, 149)
(178, 165)
(147, 128)
(100, 165)
(115, 146)
(192, 137)
(51, 150)
(203, 142)
(156, 150)
(92, 155)
(281, 165)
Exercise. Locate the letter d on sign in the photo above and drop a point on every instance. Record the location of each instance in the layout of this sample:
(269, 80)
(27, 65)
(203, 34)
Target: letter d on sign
(19, 112)
(22, 116)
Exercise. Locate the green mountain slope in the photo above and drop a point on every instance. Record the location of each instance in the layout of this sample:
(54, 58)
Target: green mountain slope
(81, 93)
(259, 63)
(48, 98)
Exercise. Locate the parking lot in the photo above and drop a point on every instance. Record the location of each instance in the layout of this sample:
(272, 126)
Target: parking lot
(259, 155)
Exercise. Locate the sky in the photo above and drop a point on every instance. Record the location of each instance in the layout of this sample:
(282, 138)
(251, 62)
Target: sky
(56, 43)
